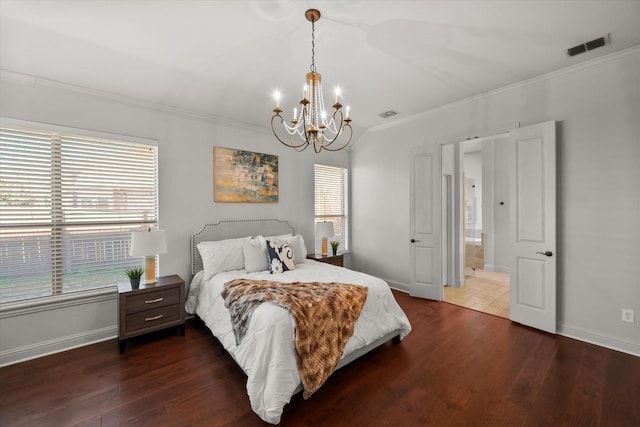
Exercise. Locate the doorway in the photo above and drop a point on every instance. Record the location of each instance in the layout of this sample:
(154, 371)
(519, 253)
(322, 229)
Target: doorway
(530, 208)
(480, 198)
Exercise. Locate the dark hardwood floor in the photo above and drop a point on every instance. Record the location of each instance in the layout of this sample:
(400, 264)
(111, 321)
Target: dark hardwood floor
(457, 367)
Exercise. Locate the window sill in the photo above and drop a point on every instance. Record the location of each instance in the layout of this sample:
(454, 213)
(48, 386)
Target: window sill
(18, 308)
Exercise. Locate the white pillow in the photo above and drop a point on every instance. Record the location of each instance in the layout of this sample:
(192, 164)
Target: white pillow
(221, 255)
(255, 254)
(297, 244)
(282, 237)
(299, 249)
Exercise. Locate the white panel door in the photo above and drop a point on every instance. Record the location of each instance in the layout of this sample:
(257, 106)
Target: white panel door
(532, 225)
(425, 223)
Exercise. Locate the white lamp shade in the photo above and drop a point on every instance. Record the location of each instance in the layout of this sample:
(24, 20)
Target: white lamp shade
(324, 229)
(147, 243)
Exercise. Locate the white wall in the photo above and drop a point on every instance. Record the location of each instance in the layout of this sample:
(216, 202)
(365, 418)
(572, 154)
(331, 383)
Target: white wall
(597, 107)
(185, 155)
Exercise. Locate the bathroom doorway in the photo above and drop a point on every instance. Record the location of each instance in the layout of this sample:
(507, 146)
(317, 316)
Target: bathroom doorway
(480, 200)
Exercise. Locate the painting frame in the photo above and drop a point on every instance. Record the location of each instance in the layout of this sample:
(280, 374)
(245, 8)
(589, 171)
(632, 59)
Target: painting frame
(241, 176)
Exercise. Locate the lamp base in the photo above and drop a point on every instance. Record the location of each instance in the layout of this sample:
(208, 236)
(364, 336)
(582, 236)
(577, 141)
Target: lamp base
(150, 270)
(325, 251)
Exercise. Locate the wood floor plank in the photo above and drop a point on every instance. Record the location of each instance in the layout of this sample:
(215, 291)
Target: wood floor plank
(589, 386)
(621, 394)
(458, 367)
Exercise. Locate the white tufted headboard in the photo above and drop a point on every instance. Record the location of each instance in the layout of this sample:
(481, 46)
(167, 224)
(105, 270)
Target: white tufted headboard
(233, 229)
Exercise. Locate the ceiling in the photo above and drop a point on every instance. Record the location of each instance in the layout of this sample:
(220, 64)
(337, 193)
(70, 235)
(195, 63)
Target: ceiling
(224, 59)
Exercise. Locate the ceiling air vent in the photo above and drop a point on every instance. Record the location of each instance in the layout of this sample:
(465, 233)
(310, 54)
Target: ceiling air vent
(576, 50)
(388, 114)
(593, 44)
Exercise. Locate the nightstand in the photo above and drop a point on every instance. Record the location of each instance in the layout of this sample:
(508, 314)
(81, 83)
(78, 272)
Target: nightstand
(150, 308)
(329, 259)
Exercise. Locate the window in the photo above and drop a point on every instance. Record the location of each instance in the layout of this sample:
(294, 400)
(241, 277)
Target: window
(68, 202)
(331, 202)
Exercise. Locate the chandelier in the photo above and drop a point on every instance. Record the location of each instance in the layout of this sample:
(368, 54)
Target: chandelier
(314, 126)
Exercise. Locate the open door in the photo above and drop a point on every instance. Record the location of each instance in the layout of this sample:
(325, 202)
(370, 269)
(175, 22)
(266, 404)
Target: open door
(425, 223)
(532, 221)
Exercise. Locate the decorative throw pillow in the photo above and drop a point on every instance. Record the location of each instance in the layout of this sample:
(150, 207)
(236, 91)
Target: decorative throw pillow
(255, 254)
(297, 242)
(280, 257)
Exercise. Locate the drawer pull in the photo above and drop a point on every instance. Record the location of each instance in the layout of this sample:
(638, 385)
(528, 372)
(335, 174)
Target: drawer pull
(159, 316)
(153, 301)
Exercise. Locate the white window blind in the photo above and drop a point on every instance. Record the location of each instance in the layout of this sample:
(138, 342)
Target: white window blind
(331, 202)
(68, 204)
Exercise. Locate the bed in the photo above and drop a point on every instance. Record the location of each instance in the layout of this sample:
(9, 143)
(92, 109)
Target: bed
(266, 352)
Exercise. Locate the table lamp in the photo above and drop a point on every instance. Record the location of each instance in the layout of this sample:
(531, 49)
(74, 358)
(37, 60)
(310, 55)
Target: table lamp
(149, 244)
(324, 229)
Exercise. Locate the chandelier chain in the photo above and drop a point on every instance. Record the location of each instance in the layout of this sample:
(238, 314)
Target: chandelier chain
(313, 46)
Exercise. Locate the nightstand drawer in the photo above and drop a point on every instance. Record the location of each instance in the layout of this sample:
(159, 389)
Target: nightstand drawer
(334, 260)
(159, 318)
(152, 300)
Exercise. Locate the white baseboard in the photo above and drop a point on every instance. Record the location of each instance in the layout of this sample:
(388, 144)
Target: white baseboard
(609, 342)
(404, 287)
(496, 268)
(567, 331)
(28, 352)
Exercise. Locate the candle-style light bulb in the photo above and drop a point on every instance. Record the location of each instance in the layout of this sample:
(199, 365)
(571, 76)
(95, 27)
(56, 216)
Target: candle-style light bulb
(337, 95)
(348, 112)
(295, 113)
(304, 92)
(276, 95)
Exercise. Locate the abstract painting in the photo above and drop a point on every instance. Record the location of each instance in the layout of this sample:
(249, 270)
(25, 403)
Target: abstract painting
(244, 177)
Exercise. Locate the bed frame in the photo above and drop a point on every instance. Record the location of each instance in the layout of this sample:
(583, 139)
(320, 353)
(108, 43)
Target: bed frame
(267, 227)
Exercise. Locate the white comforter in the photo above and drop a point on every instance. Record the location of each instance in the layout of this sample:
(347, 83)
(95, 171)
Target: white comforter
(266, 353)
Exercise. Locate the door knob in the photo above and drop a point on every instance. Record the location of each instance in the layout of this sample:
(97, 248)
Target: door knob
(414, 240)
(547, 253)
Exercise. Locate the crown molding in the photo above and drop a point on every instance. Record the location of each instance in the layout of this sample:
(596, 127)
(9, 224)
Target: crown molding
(543, 77)
(29, 80)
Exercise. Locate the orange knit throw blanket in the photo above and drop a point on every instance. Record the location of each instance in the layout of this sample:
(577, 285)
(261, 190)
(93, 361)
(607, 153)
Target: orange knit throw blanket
(324, 315)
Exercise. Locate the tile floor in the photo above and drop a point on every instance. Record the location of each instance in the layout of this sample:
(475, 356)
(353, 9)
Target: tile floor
(488, 292)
